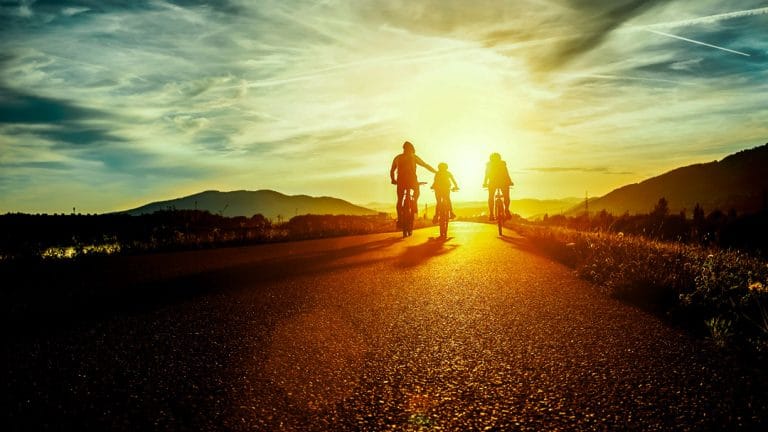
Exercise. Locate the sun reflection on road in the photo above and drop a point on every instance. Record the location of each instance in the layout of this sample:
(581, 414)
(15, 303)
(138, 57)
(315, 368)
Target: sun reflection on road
(316, 359)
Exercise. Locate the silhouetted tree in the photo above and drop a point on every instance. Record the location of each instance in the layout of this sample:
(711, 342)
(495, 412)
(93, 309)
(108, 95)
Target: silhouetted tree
(661, 209)
(698, 216)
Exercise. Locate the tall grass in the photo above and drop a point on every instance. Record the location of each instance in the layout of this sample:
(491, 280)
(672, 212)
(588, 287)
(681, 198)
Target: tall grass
(73, 236)
(722, 294)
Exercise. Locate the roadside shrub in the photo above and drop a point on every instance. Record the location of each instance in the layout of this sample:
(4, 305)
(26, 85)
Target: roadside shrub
(714, 292)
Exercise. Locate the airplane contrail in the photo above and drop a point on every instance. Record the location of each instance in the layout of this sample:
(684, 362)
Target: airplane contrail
(697, 42)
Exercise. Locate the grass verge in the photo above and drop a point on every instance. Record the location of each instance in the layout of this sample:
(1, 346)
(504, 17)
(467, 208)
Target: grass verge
(721, 294)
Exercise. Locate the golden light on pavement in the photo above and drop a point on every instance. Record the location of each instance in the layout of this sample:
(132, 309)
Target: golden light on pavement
(316, 359)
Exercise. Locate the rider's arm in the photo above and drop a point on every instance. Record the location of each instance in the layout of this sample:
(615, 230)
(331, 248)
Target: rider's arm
(506, 171)
(456, 185)
(392, 170)
(487, 175)
(424, 164)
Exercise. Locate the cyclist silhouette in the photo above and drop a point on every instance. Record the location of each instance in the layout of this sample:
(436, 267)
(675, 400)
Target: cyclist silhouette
(442, 188)
(497, 177)
(405, 165)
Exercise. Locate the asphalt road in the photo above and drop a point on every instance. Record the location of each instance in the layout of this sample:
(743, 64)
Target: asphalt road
(366, 333)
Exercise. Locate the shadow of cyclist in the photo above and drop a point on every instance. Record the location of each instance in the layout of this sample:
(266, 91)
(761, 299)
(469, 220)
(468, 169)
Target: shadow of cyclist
(415, 255)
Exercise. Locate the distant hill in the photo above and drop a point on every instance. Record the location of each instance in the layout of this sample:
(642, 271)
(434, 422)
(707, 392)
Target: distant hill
(739, 182)
(525, 207)
(269, 203)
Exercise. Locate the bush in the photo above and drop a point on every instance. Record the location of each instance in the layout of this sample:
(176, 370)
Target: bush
(717, 292)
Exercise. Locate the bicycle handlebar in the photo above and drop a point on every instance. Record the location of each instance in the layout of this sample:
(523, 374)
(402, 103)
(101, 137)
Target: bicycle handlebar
(394, 182)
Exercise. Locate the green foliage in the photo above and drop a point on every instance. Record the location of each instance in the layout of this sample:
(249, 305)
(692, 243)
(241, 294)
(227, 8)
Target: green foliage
(720, 330)
(712, 291)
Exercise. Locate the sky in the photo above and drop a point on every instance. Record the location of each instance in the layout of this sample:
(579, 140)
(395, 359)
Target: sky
(109, 104)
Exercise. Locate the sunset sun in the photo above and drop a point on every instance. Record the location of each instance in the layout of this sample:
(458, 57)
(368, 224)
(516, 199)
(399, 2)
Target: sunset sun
(459, 115)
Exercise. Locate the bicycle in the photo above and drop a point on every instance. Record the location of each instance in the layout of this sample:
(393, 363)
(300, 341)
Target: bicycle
(499, 209)
(443, 215)
(408, 211)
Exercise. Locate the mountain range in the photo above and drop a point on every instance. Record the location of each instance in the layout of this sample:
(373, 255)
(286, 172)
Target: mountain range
(737, 182)
(272, 205)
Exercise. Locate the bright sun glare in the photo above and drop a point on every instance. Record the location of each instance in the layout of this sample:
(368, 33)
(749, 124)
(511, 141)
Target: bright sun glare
(460, 115)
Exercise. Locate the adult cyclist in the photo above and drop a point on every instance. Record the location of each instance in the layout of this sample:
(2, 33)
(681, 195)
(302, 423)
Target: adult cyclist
(497, 177)
(405, 165)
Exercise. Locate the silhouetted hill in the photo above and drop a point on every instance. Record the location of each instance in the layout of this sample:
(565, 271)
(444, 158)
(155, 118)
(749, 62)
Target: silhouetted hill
(738, 182)
(269, 203)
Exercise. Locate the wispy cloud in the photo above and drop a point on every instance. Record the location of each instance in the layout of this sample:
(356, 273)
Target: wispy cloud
(600, 170)
(115, 102)
(710, 19)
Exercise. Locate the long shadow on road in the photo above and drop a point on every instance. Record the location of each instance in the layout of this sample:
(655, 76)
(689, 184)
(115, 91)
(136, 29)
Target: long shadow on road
(52, 297)
(526, 245)
(416, 255)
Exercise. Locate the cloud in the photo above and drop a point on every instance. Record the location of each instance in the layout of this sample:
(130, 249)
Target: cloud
(710, 19)
(598, 24)
(569, 34)
(18, 107)
(72, 11)
(601, 170)
(687, 65)
(46, 165)
(247, 93)
(63, 122)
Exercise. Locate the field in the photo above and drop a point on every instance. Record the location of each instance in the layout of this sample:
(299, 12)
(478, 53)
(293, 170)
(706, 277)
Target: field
(25, 236)
(721, 294)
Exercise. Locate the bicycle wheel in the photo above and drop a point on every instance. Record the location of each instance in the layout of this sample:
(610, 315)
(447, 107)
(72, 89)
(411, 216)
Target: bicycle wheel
(406, 224)
(408, 216)
(443, 223)
(500, 214)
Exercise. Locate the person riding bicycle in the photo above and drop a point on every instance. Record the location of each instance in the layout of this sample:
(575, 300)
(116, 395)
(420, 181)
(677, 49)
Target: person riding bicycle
(497, 177)
(442, 188)
(405, 165)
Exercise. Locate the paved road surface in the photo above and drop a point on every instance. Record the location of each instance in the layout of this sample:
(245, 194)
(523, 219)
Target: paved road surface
(366, 333)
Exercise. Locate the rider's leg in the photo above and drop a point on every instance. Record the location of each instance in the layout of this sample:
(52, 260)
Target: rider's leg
(416, 200)
(491, 191)
(437, 206)
(400, 193)
(450, 205)
(505, 191)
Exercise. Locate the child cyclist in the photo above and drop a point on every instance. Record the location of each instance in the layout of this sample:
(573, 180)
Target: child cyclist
(442, 187)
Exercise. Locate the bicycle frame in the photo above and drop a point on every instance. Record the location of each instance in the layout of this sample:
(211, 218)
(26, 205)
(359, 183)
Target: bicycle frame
(443, 211)
(499, 208)
(442, 216)
(407, 211)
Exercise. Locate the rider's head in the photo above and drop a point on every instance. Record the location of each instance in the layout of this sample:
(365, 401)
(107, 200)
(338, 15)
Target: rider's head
(495, 157)
(408, 147)
(442, 166)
